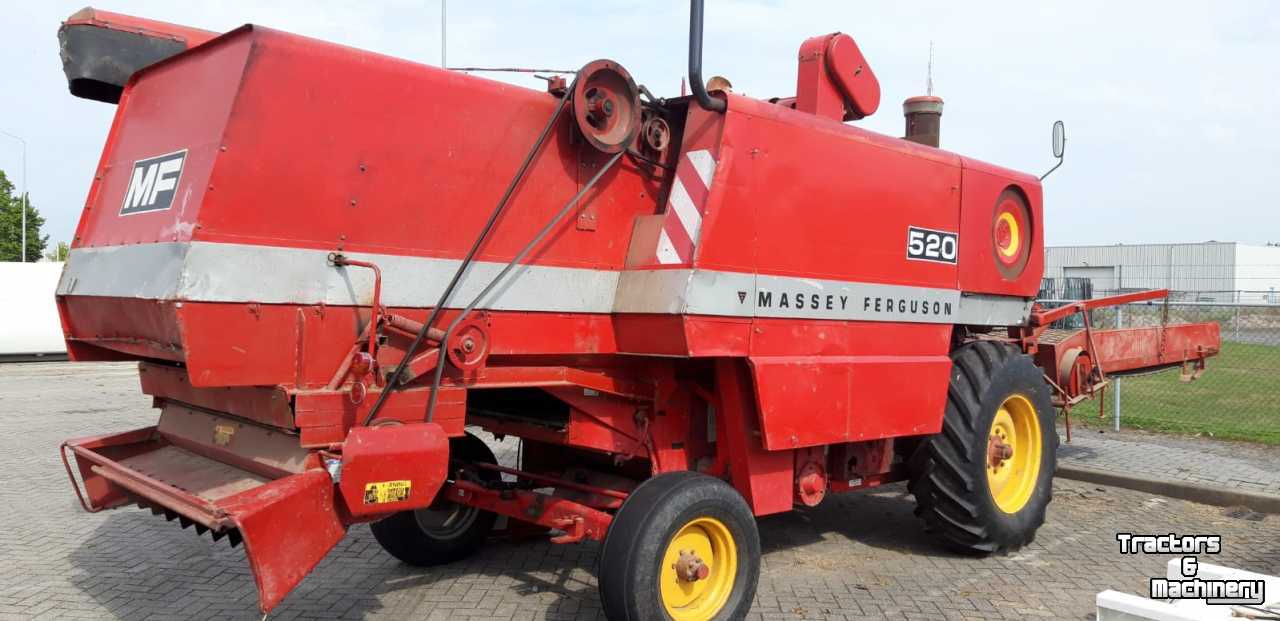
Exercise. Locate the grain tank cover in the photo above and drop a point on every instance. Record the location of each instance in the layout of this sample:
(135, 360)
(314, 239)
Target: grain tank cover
(233, 169)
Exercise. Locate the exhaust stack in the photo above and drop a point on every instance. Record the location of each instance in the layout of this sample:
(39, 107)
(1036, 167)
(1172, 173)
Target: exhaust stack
(924, 119)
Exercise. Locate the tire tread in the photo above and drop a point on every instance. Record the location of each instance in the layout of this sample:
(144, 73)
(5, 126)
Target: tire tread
(949, 494)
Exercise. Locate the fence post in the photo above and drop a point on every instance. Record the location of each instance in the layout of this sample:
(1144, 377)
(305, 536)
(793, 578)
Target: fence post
(1119, 324)
(1237, 323)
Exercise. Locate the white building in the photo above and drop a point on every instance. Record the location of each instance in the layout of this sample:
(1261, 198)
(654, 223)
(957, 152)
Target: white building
(1204, 272)
(29, 324)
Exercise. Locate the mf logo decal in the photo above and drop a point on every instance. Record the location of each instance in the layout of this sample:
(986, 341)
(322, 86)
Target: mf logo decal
(154, 183)
(930, 245)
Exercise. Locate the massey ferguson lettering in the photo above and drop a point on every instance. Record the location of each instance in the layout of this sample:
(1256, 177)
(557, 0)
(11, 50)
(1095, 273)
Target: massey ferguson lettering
(154, 183)
(856, 302)
(902, 306)
(868, 307)
(802, 301)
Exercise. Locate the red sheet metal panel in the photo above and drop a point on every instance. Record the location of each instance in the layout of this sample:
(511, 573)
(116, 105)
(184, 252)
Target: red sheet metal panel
(983, 185)
(1070, 357)
(325, 416)
(396, 141)
(115, 328)
(815, 400)
(413, 159)
(1134, 349)
(763, 477)
(269, 517)
(807, 196)
(268, 405)
(392, 468)
(176, 107)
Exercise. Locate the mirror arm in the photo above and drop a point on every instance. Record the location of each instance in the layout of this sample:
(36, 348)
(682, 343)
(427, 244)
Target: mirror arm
(1055, 167)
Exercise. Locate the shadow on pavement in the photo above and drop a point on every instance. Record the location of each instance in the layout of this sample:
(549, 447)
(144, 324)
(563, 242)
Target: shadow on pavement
(138, 565)
(881, 518)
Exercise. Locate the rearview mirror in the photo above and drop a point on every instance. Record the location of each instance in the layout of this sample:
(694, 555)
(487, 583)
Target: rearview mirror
(1059, 145)
(1059, 139)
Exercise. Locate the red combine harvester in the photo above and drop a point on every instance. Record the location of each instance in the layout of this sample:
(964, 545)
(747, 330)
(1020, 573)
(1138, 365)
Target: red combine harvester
(692, 311)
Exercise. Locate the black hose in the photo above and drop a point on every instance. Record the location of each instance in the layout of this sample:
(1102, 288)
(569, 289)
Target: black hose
(695, 61)
(394, 382)
(524, 252)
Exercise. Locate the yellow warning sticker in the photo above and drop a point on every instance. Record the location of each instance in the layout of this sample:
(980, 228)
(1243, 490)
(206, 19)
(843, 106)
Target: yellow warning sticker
(383, 492)
(222, 434)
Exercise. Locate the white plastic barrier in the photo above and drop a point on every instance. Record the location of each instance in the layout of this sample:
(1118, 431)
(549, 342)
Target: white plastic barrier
(1116, 606)
(29, 325)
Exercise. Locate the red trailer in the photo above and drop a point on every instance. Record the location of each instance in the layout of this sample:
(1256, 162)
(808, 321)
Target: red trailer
(692, 311)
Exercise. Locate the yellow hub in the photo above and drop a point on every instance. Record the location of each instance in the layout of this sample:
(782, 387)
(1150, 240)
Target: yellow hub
(698, 570)
(1012, 472)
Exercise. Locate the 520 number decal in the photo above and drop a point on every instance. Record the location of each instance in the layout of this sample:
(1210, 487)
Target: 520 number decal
(931, 245)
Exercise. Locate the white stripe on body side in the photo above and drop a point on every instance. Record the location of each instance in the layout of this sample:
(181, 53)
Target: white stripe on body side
(241, 273)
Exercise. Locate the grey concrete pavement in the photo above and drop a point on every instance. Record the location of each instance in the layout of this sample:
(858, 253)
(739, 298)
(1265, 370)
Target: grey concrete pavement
(1200, 461)
(858, 556)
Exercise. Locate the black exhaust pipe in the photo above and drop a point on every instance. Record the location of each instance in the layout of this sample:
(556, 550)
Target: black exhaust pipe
(695, 61)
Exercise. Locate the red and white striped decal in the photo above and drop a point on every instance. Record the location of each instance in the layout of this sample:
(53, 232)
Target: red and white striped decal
(685, 206)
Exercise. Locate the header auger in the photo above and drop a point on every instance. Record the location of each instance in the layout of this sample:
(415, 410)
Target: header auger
(692, 311)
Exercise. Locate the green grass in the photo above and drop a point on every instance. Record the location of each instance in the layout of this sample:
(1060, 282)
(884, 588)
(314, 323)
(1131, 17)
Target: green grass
(1238, 398)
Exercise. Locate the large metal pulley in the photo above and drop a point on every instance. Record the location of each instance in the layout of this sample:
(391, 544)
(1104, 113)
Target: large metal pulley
(606, 104)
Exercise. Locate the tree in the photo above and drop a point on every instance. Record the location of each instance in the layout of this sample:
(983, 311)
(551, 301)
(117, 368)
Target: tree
(58, 252)
(11, 225)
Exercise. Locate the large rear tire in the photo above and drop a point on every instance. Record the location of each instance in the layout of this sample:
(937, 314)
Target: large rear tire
(683, 547)
(983, 484)
(445, 531)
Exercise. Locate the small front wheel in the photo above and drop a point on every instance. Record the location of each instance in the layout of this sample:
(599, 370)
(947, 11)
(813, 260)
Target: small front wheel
(445, 531)
(683, 547)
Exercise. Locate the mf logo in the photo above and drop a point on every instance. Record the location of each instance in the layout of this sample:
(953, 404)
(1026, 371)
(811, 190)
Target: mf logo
(154, 183)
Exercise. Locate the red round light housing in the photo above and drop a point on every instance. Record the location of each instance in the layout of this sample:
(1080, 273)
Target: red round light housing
(1011, 233)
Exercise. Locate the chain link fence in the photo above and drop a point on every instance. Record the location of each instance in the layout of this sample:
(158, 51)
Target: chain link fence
(1238, 397)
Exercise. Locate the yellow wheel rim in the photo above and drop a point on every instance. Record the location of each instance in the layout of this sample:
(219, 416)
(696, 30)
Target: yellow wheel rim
(1012, 479)
(708, 541)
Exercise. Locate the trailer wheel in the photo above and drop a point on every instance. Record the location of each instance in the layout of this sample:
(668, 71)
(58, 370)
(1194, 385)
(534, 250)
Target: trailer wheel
(683, 547)
(982, 485)
(445, 531)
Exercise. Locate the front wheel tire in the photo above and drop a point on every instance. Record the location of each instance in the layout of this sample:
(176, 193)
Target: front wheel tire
(683, 547)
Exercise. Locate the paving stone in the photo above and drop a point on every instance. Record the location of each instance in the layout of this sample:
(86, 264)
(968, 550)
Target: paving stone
(858, 556)
(1203, 461)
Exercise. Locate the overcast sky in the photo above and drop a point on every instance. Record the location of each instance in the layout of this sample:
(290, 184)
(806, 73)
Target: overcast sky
(1171, 108)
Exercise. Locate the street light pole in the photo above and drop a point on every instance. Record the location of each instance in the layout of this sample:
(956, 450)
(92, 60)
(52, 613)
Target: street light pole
(23, 258)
